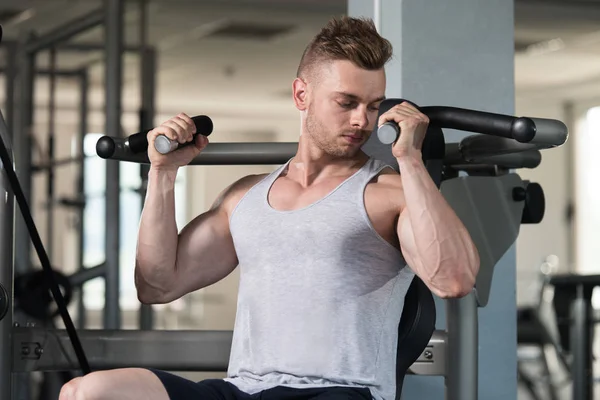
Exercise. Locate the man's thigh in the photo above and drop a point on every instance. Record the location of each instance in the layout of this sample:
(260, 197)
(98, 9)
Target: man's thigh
(179, 388)
(328, 393)
(147, 384)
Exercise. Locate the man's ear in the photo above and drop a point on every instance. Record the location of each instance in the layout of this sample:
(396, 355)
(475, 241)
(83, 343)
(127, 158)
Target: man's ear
(299, 88)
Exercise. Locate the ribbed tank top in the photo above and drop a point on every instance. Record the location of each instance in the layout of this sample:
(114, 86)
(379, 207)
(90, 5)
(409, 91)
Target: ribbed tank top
(320, 295)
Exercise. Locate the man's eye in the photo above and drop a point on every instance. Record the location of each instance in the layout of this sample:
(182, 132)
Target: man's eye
(347, 105)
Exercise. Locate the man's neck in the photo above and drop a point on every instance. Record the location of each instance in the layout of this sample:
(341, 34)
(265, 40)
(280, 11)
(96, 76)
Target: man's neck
(311, 165)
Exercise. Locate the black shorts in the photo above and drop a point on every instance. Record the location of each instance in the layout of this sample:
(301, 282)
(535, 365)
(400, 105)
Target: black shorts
(180, 388)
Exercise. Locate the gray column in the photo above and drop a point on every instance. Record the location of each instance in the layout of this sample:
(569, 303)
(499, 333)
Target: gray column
(113, 81)
(458, 53)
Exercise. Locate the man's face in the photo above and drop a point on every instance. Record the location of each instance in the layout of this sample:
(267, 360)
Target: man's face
(342, 106)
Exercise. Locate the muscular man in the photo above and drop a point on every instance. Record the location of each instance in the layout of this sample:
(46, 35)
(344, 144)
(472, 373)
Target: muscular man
(327, 244)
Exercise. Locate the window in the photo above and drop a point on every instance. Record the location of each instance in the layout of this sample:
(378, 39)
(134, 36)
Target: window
(130, 210)
(588, 196)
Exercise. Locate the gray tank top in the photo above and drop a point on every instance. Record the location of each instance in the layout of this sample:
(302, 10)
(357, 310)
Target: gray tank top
(320, 293)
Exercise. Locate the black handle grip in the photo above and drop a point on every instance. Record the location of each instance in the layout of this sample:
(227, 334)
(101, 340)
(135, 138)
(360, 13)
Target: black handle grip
(138, 142)
(522, 129)
(548, 132)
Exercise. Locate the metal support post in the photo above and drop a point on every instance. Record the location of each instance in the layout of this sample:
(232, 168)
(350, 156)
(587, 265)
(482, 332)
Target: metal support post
(114, 10)
(147, 110)
(462, 349)
(581, 329)
(570, 191)
(83, 128)
(22, 143)
(50, 156)
(6, 272)
(9, 86)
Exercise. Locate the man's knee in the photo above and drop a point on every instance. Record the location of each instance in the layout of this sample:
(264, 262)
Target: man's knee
(69, 390)
(88, 387)
(129, 383)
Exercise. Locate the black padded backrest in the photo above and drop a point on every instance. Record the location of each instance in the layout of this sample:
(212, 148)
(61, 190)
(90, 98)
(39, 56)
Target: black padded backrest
(417, 322)
(415, 329)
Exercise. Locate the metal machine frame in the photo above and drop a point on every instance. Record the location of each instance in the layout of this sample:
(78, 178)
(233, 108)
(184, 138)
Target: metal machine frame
(452, 353)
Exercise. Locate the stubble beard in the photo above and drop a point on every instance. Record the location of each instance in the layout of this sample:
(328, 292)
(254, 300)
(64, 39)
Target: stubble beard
(328, 144)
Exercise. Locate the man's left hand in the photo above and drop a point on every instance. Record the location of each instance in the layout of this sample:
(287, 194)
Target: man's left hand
(413, 127)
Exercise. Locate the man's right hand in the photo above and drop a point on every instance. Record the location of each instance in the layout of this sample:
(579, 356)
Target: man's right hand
(180, 128)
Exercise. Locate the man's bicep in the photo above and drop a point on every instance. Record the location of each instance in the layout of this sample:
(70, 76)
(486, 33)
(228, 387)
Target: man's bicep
(205, 252)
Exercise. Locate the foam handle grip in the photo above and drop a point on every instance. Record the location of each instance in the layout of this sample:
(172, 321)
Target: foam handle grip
(549, 132)
(164, 145)
(388, 132)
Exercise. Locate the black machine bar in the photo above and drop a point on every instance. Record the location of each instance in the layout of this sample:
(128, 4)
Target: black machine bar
(67, 31)
(258, 153)
(38, 349)
(266, 153)
(463, 153)
(476, 146)
(84, 275)
(547, 132)
(526, 134)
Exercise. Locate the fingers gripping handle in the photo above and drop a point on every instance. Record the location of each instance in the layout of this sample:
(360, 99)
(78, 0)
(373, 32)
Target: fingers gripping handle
(164, 145)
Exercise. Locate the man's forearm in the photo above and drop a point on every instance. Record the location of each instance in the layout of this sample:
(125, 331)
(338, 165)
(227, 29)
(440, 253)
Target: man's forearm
(158, 236)
(447, 254)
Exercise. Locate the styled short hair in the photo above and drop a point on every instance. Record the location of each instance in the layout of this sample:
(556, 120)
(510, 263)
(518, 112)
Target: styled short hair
(347, 38)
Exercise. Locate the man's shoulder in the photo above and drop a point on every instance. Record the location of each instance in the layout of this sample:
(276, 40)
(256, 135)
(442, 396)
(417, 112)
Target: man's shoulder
(245, 183)
(385, 190)
(388, 178)
(234, 192)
